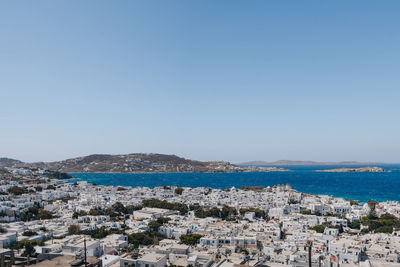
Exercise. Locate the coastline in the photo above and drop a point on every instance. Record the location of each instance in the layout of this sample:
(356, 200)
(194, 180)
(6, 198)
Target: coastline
(355, 185)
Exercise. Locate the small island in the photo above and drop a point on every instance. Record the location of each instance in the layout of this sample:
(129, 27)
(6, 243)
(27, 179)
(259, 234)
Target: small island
(362, 169)
(264, 169)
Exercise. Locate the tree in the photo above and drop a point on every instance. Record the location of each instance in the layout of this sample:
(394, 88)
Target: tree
(163, 220)
(154, 226)
(372, 206)
(119, 207)
(29, 250)
(178, 190)
(163, 204)
(31, 213)
(38, 188)
(44, 215)
(101, 232)
(252, 188)
(200, 212)
(74, 229)
(341, 230)
(190, 239)
(51, 187)
(111, 213)
(384, 224)
(29, 233)
(353, 202)
(97, 211)
(281, 232)
(354, 225)
(137, 239)
(59, 175)
(76, 214)
(21, 244)
(258, 212)
(131, 208)
(16, 190)
(306, 212)
(318, 228)
(227, 212)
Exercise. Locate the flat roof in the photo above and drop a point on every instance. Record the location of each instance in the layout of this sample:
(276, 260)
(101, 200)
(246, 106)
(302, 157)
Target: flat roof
(63, 261)
(152, 257)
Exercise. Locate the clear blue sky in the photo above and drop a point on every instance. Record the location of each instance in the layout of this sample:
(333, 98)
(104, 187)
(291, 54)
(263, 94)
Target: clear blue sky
(207, 80)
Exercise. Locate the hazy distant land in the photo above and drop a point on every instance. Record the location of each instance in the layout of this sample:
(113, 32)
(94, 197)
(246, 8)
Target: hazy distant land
(300, 162)
(362, 169)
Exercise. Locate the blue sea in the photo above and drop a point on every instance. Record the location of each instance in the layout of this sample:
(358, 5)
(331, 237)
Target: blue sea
(358, 186)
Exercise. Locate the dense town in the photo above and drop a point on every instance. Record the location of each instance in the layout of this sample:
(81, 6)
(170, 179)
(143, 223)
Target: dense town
(49, 220)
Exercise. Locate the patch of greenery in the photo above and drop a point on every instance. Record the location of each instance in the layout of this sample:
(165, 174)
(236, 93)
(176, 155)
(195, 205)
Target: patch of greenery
(318, 228)
(353, 202)
(74, 229)
(59, 175)
(146, 239)
(321, 227)
(45, 215)
(16, 190)
(225, 213)
(386, 223)
(29, 251)
(21, 244)
(36, 213)
(155, 225)
(258, 212)
(190, 239)
(38, 188)
(96, 211)
(306, 212)
(252, 188)
(354, 225)
(123, 210)
(163, 204)
(77, 214)
(117, 209)
(29, 233)
(179, 190)
(51, 187)
(101, 232)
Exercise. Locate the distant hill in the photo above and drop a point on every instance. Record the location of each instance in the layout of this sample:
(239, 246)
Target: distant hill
(136, 163)
(7, 162)
(299, 162)
(157, 163)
